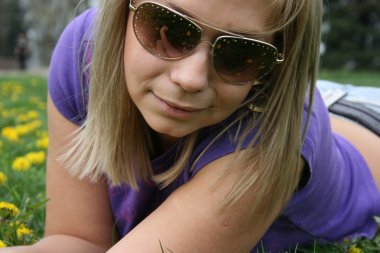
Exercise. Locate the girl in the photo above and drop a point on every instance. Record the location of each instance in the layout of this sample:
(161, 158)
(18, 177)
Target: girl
(195, 126)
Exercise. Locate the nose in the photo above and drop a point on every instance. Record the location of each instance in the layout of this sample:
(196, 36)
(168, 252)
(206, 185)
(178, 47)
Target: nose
(193, 73)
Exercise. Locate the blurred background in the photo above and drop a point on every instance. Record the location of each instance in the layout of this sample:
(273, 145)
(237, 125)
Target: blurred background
(30, 29)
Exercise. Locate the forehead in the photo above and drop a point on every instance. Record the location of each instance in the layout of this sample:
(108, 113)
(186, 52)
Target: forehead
(244, 16)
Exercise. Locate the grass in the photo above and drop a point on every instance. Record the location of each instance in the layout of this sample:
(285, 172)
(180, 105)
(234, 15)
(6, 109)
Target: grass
(22, 186)
(354, 246)
(22, 158)
(363, 78)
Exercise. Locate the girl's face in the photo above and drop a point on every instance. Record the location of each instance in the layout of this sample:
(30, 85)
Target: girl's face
(178, 97)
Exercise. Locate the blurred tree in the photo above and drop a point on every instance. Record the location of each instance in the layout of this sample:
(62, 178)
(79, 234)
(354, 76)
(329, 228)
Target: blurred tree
(46, 20)
(11, 21)
(353, 38)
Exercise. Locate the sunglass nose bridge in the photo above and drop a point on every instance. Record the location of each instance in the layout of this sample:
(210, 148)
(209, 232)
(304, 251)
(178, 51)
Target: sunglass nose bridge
(210, 46)
(206, 41)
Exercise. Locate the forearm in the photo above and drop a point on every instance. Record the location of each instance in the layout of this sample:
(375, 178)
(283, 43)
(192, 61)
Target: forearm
(57, 244)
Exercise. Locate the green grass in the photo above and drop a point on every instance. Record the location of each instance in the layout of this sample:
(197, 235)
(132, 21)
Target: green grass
(22, 102)
(363, 78)
(20, 94)
(355, 246)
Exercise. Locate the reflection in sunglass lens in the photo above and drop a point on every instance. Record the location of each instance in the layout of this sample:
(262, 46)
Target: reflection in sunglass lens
(164, 33)
(242, 60)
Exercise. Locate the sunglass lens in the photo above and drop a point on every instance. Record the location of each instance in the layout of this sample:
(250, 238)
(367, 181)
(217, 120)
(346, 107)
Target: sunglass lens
(242, 60)
(163, 32)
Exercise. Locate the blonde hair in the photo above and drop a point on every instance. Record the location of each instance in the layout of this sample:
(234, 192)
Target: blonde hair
(114, 139)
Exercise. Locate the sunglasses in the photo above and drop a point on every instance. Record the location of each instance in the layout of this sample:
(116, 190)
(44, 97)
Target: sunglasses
(170, 35)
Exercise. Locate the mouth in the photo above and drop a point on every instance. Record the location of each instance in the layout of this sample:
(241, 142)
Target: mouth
(178, 106)
(177, 110)
(181, 107)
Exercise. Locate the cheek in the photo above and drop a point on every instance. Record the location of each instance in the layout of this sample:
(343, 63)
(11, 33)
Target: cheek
(139, 64)
(132, 50)
(134, 54)
(231, 96)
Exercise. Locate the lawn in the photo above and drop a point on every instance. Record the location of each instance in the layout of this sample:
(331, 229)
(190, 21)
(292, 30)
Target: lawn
(363, 78)
(23, 144)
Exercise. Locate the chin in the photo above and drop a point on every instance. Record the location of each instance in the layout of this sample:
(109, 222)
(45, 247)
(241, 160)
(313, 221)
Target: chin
(171, 133)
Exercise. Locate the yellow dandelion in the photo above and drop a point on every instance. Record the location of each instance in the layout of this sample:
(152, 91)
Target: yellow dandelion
(3, 178)
(23, 129)
(2, 244)
(36, 124)
(22, 231)
(36, 157)
(21, 164)
(28, 128)
(10, 134)
(32, 115)
(42, 143)
(355, 249)
(7, 209)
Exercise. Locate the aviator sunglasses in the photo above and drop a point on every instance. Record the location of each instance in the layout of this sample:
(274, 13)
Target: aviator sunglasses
(170, 35)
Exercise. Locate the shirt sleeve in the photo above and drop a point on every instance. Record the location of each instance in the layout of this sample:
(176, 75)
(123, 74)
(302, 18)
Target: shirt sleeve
(340, 198)
(67, 82)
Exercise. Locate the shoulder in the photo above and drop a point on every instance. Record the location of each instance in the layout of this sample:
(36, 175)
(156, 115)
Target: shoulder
(335, 183)
(66, 72)
(318, 134)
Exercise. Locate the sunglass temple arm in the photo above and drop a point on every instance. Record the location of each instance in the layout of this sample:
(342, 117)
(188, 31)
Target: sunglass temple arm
(131, 7)
(280, 58)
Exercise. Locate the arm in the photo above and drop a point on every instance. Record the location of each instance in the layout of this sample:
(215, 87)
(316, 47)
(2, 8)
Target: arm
(76, 207)
(190, 221)
(56, 244)
(78, 216)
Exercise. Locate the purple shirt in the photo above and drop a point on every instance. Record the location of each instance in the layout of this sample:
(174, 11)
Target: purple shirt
(339, 200)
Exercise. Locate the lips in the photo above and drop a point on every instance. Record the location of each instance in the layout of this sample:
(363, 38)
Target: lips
(178, 106)
(176, 110)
